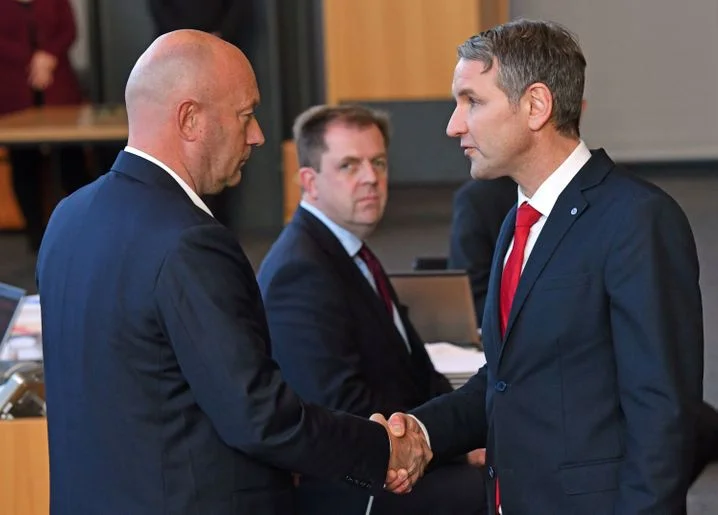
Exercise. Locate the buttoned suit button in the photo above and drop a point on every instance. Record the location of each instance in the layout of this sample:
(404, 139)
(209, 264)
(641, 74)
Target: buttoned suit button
(491, 472)
(501, 386)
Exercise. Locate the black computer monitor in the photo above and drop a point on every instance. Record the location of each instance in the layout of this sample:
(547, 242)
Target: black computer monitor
(440, 305)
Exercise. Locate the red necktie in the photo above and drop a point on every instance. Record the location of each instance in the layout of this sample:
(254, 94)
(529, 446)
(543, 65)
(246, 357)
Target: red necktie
(380, 278)
(526, 216)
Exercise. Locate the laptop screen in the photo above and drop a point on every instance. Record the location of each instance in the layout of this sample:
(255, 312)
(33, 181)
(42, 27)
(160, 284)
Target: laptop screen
(440, 305)
(10, 301)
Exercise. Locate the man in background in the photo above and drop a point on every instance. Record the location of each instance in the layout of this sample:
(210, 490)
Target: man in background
(339, 333)
(479, 208)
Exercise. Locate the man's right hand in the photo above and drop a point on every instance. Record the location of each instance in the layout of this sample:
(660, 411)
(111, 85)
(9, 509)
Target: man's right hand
(410, 453)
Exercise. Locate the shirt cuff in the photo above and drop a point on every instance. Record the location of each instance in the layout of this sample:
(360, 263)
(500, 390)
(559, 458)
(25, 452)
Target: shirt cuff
(423, 430)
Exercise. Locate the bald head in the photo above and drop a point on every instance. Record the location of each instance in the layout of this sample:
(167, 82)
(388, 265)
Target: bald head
(190, 102)
(178, 65)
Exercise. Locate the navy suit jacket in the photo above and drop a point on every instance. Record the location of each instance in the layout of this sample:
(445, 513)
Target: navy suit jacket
(592, 394)
(161, 394)
(332, 336)
(336, 342)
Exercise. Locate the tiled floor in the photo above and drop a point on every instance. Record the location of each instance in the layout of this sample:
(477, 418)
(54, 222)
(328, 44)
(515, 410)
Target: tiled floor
(417, 223)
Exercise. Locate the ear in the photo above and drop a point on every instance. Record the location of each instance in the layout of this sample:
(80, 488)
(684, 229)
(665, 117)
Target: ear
(307, 180)
(540, 103)
(188, 124)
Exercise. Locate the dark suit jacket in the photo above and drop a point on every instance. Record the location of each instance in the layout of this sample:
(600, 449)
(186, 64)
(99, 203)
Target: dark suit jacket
(592, 394)
(161, 395)
(480, 207)
(331, 334)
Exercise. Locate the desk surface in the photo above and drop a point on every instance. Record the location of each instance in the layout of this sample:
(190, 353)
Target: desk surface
(64, 124)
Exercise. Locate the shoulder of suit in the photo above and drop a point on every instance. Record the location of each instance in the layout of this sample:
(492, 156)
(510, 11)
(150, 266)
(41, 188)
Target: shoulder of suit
(631, 185)
(293, 246)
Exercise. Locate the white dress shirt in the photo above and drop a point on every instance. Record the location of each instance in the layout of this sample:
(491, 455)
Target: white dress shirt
(547, 194)
(190, 192)
(352, 244)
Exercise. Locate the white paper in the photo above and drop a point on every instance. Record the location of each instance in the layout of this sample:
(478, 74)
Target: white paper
(25, 342)
(28, 321)
(451, 359)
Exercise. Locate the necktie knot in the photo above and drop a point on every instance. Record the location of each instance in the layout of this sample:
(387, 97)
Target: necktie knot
(367, 255)
(527, 215)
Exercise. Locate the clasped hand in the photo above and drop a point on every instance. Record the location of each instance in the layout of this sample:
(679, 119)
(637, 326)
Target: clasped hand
(41, 70)
(410, 452)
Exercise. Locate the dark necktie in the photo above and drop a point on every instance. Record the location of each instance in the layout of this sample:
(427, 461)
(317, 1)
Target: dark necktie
(380, 278)
(526, 217)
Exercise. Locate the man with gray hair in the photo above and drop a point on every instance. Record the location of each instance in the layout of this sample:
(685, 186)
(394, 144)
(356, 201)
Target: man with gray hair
(593, 321)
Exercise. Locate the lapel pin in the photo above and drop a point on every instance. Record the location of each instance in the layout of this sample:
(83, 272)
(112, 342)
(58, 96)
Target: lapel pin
(574, 211)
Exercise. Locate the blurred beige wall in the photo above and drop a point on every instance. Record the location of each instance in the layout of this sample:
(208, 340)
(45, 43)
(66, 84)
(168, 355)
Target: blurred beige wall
(652, 73)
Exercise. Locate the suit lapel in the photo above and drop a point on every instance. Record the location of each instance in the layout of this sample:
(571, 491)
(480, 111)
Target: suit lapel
(568, 208)
(565, 212)
(491, 325)
(349, 270)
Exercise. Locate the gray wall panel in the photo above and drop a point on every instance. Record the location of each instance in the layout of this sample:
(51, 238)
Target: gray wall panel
(420, 151)
(652, 73)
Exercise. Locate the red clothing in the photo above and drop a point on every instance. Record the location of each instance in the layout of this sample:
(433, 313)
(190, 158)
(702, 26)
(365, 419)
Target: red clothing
(53, 24)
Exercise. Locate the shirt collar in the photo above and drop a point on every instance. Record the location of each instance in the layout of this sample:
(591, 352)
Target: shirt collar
(349, 241)
(189, 191)
(547, 194)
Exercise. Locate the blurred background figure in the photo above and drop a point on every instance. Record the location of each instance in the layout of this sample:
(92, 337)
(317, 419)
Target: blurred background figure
(479, 208)
(228, 19)
(35, 37)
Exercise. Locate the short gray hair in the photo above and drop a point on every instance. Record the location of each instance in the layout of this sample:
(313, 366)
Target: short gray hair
(530, 51)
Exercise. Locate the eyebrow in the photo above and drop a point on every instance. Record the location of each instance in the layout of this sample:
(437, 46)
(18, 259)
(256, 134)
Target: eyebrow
(465, 92)
(254, 105)
(382, 155)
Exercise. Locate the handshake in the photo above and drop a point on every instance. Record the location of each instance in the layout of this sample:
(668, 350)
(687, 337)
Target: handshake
(410, 451)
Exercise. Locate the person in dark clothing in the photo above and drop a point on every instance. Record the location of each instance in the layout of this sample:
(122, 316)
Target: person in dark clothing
(479, 207)
(228, 19)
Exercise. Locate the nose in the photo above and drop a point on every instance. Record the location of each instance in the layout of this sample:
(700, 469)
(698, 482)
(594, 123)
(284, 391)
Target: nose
(369, 175)
(255, 136)
(457, 125)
